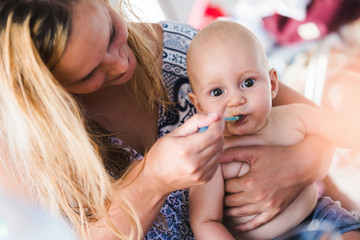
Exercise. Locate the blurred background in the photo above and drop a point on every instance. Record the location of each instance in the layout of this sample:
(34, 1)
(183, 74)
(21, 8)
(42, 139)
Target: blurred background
(313, 44)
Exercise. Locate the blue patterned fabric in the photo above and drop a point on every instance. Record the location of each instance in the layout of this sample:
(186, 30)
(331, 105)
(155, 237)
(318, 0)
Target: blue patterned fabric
(328, 219)
(330, 211)
(174, 224)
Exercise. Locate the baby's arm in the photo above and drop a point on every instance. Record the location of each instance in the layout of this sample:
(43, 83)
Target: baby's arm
(341, 129)
(283, 127)
(206, 209)
(288, 125)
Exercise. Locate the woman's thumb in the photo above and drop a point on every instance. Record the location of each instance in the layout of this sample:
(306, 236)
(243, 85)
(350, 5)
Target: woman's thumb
(196, 122)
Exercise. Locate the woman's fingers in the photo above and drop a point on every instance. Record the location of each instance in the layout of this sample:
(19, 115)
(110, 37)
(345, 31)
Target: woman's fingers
(241, 154)
(207, 150)
(257, 221)
(243, 211)
(236, 200)
(209, 168)
(196, 122)
(209, 141)
(207, 159)
(185, 158)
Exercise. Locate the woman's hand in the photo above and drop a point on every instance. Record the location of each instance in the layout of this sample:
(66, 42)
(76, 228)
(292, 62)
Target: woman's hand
(276, 177)
(181, 159)
(184, 157)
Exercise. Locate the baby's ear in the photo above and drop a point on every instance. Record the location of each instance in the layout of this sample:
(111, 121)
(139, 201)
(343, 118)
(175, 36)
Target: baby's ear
(194, 101)
(274, 82)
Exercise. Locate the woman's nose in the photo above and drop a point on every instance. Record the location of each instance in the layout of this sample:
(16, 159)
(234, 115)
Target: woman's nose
(115, 63)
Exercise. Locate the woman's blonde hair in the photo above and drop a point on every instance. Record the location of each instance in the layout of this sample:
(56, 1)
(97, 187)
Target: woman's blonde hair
(49, 147)
(152, 91)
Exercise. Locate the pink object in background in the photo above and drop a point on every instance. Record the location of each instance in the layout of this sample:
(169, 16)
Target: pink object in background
(203, 12)
(323, 17)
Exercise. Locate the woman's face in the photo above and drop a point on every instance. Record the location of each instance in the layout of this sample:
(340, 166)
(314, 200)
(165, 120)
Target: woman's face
(97, 54)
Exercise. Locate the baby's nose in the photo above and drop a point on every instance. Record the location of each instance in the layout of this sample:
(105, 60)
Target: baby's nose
(237, 100)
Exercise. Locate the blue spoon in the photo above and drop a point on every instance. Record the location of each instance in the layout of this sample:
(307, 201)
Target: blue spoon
(229, 119)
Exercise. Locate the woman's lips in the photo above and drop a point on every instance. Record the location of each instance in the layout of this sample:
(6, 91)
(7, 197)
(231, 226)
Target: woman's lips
(122, 74)
(116, 78)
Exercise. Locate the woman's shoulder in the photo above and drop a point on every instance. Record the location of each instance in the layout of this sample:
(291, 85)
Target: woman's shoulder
(178, 28)
(176, 40)
(163, 30)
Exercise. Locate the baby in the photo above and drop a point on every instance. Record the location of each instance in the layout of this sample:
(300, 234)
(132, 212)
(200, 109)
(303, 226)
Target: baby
(228, 71)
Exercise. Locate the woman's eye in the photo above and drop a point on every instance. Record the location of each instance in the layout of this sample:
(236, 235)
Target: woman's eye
(248, 83)
(216, 92)
(87, 78)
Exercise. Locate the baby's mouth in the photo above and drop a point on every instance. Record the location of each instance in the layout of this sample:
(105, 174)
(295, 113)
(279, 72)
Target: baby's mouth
(234, 119)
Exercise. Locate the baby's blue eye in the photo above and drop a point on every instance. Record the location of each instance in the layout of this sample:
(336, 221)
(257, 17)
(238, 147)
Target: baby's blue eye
(248, 83)
(216, 92)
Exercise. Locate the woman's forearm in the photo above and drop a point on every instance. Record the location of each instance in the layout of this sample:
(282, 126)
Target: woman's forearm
(144, 194)
(145, 199)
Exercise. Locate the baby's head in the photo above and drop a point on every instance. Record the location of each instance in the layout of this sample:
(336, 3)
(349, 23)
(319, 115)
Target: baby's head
(228, 72)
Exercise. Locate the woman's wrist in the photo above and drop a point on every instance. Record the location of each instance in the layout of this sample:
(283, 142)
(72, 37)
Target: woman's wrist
(144, 182)
(143, 193)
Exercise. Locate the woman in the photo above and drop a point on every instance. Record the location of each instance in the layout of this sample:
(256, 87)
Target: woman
(76, 78)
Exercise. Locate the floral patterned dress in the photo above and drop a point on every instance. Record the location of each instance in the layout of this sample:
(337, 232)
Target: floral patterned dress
(174, 223)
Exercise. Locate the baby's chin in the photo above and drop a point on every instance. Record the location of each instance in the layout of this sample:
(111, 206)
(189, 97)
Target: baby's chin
(236, 131)
(233, 131)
